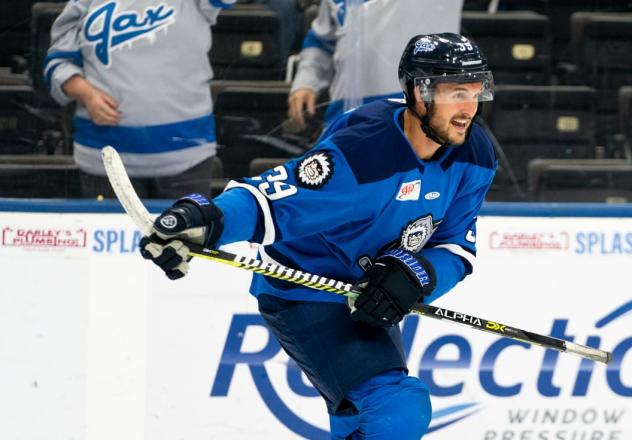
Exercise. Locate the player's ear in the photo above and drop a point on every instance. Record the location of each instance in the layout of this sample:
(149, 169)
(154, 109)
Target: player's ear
(419, 103)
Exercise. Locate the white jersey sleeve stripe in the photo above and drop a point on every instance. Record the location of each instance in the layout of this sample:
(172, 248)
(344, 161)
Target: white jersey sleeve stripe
(457, 250)
(269, 233)
(267, 258)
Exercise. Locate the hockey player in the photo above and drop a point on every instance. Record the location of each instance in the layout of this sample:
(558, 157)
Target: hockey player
(347, 54)
(388, 198)
(139, 72)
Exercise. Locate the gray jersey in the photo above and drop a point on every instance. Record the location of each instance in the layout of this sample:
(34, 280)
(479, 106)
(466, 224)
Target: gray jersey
(151, 57)
(356, 56)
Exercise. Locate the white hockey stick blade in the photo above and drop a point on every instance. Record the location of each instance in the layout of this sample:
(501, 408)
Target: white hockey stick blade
(125, 192)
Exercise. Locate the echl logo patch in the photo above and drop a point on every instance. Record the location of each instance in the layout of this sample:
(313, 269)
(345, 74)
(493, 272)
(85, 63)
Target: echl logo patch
(314, 171)
(416, 234)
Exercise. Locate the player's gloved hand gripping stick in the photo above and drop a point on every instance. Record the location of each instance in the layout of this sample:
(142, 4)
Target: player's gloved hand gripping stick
(391, 287)
(144, 221)
(192, 218)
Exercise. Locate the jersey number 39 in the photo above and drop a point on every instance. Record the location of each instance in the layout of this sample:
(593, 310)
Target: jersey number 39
(274, 187)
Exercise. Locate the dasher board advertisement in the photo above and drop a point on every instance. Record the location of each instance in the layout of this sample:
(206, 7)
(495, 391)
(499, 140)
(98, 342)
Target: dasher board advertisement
(95, 343)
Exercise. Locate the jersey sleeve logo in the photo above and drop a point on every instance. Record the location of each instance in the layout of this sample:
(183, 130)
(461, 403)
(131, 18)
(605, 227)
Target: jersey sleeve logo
(314, 171)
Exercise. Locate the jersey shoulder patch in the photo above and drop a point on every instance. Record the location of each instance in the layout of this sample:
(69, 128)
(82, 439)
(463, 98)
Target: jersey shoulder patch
(314, 170)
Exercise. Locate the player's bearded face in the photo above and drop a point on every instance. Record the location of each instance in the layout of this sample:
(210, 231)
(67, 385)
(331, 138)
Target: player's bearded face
(453, 110)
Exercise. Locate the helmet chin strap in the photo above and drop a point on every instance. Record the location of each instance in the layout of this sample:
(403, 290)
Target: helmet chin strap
(425, 124)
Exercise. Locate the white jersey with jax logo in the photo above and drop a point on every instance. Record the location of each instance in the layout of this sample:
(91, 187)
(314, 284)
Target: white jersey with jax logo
(356, 56)
(151, 58)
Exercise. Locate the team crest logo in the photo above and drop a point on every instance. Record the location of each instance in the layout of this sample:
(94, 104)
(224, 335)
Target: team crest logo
(416, 234)
(314, 171)
(423, 45)
(109, 29)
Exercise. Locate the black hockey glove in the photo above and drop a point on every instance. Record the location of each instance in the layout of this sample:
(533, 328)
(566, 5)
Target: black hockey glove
(391, 287)
(192, 218)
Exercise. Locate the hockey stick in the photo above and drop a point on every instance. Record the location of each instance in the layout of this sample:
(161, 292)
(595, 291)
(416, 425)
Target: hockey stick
(143, 220)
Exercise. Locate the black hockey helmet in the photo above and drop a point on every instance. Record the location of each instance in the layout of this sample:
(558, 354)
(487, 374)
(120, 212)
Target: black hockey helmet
(447, 57)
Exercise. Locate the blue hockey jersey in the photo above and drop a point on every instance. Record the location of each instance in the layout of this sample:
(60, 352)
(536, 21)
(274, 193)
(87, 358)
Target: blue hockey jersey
(360, 191)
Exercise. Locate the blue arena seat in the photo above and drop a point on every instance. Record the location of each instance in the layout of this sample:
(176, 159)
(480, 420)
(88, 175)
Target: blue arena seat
(249, 117)
(560, 11)
(39, 176)
(601, 45)
(517, 44)
(17, 124)
(246, 44)
(543, 122)
(588, 180)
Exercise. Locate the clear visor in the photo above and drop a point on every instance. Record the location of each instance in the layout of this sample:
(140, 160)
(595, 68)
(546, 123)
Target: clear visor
(457, 88)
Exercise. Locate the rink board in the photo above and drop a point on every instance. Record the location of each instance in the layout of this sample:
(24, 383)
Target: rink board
(95, 343)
